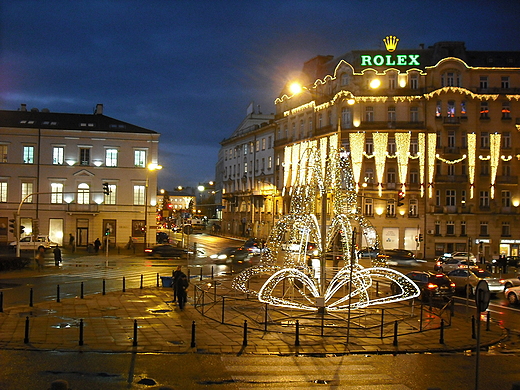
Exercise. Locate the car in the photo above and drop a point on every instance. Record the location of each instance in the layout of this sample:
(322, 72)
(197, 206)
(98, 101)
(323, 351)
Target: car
(231, 254)
(242, 255)
(440, 261)
(432, 284)
(254, 246)
(467, 280)
(464, 256)
(512, 294)
(513, 261)
(452, 264)
(368, 253)
(32, 243)
(167, 250)
(511, 282)
(398, 257)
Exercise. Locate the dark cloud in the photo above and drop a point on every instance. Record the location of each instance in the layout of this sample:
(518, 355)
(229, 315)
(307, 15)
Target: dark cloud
(188, 69)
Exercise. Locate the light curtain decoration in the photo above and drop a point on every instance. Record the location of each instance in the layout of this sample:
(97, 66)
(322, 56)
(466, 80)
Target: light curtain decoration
(402, 141)
(494, 151)
(380, 152)
(357, 147)
(472, 148)
(421, 140)
(432, 145)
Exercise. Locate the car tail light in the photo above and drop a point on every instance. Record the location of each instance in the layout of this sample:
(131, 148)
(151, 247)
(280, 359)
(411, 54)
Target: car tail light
(452, 284)
(439, 275)
(438, 263)
(148, 251)
(502, 281)
(432, 286)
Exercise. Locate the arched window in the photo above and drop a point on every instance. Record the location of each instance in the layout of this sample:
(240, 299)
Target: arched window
(83, 193)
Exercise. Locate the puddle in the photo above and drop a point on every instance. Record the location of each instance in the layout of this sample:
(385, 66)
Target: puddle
(67, 324)
(159, 311)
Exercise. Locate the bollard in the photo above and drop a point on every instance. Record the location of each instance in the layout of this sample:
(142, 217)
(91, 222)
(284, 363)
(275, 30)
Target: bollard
(377, 288)
(193, 335)
(1, 301)
(395, 334)
(26, 338)
(81, 295)
(58, 293)
(297, 338)
(488, 320)
(81, 332)
(244, 342)
(223, 307)
(135, 334)
(104, 286)
(141, 285)
(441, 338)
(201, 273)
(452, 307)
(124, 284)
(157, 279)
(421, 319)
(31, 297)
(473, 335)
(202, 302)
(382, 322)
(212, 276)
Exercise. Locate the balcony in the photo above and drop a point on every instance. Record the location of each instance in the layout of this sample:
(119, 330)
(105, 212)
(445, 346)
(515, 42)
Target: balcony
(451, 179)
(380, 125)
(74, 208)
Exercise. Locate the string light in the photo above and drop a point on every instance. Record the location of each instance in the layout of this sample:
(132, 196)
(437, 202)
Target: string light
(432, 145)
(494, 150)
(402, 141)
(472, 147)
(421, 141)
(451, 162)
(380, 152)
(357, 147)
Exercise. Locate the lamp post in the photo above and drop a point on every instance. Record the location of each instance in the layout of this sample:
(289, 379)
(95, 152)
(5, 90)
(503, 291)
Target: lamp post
(150, 168)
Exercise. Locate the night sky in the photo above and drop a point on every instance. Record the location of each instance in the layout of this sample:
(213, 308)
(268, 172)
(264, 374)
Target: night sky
(189, 69)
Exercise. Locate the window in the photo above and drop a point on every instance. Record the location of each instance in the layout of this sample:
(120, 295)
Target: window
(369, 207)
(451, 139)
(111, 197)
(506, 140)
(369, 146)
(111, 157)
(414, 114)
(483, 82)
(451, 170)
(392, 149)
(369, 114)
(450, 228)
(463, 228)
(484, 228)
(414, 208)
(27, 189)
(369, 175)
(463, 108)
(506, 169)
(437, 198)
(391, 114)
(392, 77)
(270, 138)
(270, 162)
(57, 193)
(450, 198)
(484, 199)
(437, 228)
(84, 156)
(3, 153)
(414, 176)
(245, 166)
(257, 146)
(139, 195)
(484, 110)
(28, 154)
(57, 155)
(414, 81)
(438, 109)
(346, 118)
(450, 113)
(320, 121)
(484, 167)
(140, 158)
(484, 140)
(450, 79)
(390, 176)
(264, 142)
(506, 199)
(3, 191)
(504, 82)
(345, 79)
(506, 110)
(390, 207)
(83, 193)
(506, 229)
(414, 146)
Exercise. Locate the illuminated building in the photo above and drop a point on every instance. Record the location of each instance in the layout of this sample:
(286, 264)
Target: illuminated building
(67, 159)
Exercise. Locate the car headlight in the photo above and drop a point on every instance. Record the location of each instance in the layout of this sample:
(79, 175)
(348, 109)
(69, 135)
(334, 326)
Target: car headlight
(222, 257)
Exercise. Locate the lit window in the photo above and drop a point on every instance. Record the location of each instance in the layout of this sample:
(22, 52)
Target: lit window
(83, 193)
(506, 110)
(139, 192)
(84, 156)
(3, 153)
(346, 118)
(111, 157)
(438, 109)
(451, 109)
(111, 197)
(57, 193)
(484, 110)
(28, 154)
(27, 189)
(140, 158)
(3, 191)
(57, 155)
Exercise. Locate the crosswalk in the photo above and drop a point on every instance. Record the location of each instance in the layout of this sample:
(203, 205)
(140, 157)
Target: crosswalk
(347, 372)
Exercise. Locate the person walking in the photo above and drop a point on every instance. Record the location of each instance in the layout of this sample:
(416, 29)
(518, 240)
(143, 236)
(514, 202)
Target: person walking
(71, 242)
(182, 290)
(40, 258)
(57, 256)
(97, 244)
(175, 277)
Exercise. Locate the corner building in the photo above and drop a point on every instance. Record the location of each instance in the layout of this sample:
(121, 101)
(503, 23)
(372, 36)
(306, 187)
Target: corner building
(433, 134)
(66, 160)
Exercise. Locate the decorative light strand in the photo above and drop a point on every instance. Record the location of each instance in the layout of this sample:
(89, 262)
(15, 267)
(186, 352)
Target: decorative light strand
(421, 141)
(402, 141)
(432, 145)
(451, 162)
(472, 145)
(357, 147)
(380, 152)
(494, 150)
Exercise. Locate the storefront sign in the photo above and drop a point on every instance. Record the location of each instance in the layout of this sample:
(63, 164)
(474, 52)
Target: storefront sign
(391, 59)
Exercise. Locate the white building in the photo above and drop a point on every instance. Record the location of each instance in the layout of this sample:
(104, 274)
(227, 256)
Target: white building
(64, 160)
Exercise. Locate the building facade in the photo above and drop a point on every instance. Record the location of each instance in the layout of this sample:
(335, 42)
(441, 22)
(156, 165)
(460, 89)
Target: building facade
(431, 133)
(68, 162)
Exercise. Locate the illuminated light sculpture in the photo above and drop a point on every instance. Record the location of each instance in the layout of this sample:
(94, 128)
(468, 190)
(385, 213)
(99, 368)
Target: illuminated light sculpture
(285, 277)
(421, 140)
(402, 141)
(380, 152)
(472, 145)
(494, 151)
(432, 145)
(357, 147)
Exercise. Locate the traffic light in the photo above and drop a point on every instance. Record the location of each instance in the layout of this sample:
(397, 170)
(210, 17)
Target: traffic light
(107, 231)
(12, 225)
(421, 238)
(400, 199)
(106, 190)
(22, 229)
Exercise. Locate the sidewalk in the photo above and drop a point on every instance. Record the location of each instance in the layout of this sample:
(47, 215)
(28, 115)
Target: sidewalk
(111, 321)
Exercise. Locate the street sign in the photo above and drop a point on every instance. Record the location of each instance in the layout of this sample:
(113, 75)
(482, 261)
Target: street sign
(482, 295)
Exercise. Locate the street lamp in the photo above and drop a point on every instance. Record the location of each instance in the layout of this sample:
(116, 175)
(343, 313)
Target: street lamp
(150, 168)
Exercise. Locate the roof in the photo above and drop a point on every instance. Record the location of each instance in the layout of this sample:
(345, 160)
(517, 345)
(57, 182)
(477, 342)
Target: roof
(65, 121)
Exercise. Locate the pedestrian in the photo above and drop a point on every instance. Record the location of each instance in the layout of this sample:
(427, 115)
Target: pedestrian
(130, 243)
(71, 242)
(175, 277)
(97, 244)
(182, 290)
(57, 256)
(40, 258)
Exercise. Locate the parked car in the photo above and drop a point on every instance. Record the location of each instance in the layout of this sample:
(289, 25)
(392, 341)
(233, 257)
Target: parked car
(167, 250)
(513, 295)
(513, 261)
(432, 284)
(464, 256)
(467, 280)
(231, 254)
(452, 264)
(32, 243)
(398, 257)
